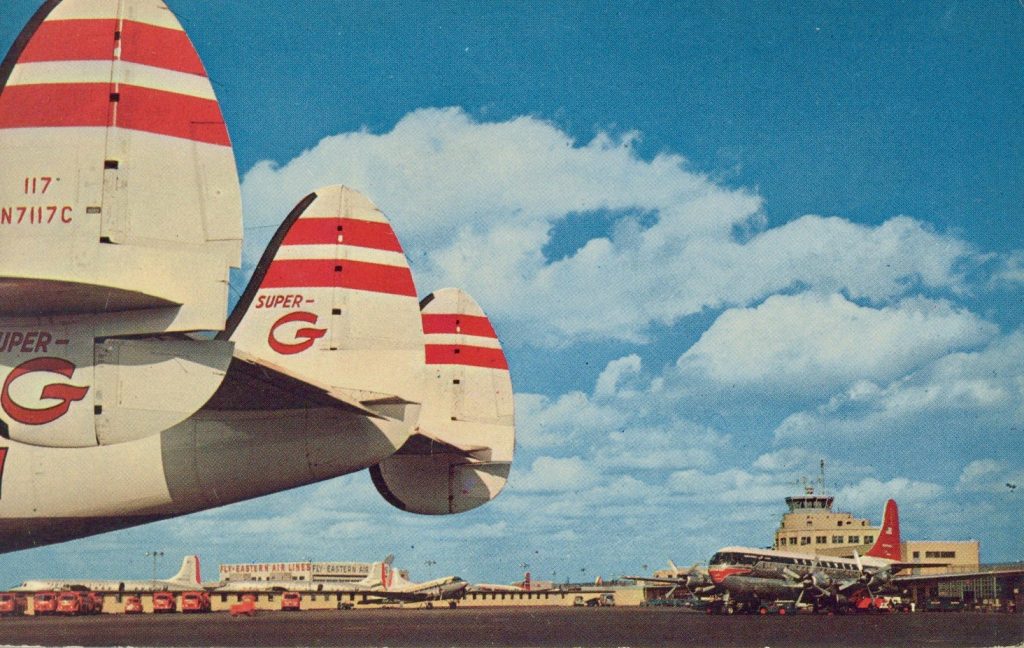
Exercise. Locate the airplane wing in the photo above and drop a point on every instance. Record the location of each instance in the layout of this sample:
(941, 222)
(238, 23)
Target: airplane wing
(652, 579)
(405, 597)
(425, 444)
(252, 383)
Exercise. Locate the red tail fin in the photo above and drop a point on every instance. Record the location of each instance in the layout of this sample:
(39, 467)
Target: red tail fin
(887, 545)
(526, 582)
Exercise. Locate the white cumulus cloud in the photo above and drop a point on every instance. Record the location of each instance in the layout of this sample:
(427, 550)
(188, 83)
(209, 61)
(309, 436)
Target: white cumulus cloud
(810, 343)
(475, 203)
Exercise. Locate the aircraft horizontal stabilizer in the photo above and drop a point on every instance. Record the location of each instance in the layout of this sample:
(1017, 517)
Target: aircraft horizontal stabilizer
(460, 455)
(252, 383)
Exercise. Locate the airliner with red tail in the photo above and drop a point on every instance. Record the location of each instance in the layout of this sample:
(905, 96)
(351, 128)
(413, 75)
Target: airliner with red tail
(120, 220)
(750, 578)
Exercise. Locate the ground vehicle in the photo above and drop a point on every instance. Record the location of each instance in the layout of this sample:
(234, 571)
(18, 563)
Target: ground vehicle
(44, 603)
(74, 603)
(164, 602)
(291, 601)
(96, 601)
(195, 602)
(604, 600)
(12, 603)
(133, 605)
(246, 607)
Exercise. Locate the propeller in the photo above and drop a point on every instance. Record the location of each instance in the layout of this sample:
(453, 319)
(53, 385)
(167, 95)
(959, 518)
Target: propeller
(878, 578)
(697, 577)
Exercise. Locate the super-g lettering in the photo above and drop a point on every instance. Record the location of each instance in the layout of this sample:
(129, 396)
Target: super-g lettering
(37, 215)
(279, 301)
(63, 392)
(304, 337)
(25, 341)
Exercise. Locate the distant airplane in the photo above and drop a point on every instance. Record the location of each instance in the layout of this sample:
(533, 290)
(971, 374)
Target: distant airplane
(749, 578)
(387, 584)
(187, 579)
(121, 214)
(695, 581)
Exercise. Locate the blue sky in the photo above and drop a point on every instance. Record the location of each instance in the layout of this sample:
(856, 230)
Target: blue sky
(719, 242)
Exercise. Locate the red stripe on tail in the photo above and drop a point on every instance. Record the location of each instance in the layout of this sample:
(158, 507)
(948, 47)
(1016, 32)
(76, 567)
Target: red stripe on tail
(89, 104)
(160, 47)
(328, 273)
(71, 40)
(464, 324)
(71, 104)
(887, 545)
(347, 231)
(93, 39)
(470, 356)
(168, 113)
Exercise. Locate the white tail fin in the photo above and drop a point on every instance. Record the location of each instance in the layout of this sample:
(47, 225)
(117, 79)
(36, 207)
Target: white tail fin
(461, 453)
(332, 301)
(118, 190)
(189, 572)
(381, 575)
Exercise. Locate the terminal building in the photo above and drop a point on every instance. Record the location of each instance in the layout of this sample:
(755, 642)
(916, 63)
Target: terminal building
(811, 526)
(300, 572)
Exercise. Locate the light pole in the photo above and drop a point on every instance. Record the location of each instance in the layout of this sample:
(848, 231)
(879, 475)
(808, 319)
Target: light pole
(155, 555)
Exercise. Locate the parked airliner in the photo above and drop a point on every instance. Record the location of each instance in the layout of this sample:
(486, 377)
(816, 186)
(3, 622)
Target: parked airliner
(749, 578)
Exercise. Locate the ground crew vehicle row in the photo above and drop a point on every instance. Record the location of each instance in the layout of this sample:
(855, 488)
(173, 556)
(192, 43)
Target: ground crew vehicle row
(73, 603)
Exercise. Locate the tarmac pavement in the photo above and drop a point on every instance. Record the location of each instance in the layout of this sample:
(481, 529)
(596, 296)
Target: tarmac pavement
(511, 626)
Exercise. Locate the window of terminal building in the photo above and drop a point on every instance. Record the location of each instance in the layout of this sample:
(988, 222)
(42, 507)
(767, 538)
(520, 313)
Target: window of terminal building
(940, 554)
(917, 554)
(854, 539)
(805, 540)
(821, 539)
(837, 539)
(840, 523)
(869, 539)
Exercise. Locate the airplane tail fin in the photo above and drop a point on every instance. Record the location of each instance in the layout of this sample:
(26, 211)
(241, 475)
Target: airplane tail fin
(381, 575)
(189, 572)
(887, 545)
(332, 302)
(526, 582)
(460, 454)
(115, 145)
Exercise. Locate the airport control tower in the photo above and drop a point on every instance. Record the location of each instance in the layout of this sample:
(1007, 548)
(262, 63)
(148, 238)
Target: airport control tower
(811, 526)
